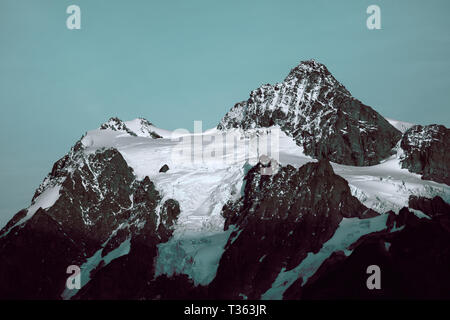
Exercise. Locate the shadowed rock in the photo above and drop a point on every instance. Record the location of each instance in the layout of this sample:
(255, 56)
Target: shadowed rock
(426, 150)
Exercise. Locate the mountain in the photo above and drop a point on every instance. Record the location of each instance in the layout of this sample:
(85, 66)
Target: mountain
(426, 150)
(99, 206)
(148, 214)
(279, 220)
(139, 127)
(321, 115)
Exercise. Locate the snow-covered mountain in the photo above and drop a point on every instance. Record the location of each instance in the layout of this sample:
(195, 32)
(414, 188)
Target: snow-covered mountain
(321, 115)
(148, 214)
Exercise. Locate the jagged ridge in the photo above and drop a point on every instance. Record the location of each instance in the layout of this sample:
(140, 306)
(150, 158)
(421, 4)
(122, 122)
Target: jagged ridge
(320, 114)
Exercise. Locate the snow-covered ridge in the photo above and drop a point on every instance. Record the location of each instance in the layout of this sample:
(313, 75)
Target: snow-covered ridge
(139, 127)
(401, 126)
(203, 187)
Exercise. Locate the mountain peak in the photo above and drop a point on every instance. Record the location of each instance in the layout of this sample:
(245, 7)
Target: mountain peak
(139, 127)
(311, 65)
(316, 75)
(315, 109)
(116, 124)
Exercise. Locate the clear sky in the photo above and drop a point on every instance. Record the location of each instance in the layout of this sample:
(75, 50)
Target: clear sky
(174, 62)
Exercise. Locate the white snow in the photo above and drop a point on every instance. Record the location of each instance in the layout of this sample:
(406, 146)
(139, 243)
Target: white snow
(387, 186)
(400, 125)
(45, 200)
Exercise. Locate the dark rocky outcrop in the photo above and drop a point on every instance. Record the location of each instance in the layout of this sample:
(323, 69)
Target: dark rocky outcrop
(278, 221)
(426, 150)
(34, 259)
(132, 276)
(414, 260)
(164, 168)
(320, 114)
(431, 207)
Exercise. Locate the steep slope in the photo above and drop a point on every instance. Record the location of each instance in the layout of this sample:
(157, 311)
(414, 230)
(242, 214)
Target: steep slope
(278, 221)
(401, 126)
(414, 261)
(426, 150)
(311, 106)
(97, 205)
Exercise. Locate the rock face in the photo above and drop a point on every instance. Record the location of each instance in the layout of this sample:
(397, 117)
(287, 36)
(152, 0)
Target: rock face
(431, 207)
(100, 205)
(116, 124)
(131, 276)
(164, 168)
(414, 263)
(426, 150)
(311, 106)
(278, 221)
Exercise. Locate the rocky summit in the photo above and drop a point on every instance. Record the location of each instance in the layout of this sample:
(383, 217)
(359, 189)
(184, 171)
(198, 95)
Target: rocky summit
(311, 106)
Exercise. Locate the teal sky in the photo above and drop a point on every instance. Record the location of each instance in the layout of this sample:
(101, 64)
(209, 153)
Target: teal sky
(174, 62)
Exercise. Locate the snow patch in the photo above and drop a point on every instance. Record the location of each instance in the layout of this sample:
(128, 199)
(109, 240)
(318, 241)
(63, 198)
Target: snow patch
(347, 233)
(196, 257)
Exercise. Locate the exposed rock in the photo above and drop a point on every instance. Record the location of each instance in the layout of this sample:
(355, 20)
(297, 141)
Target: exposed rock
(35, 257)
(436, 208)
(116, 124)
(426, 150)
(14, 220)
(414, 262)
(431, 207)
(278, 221)
(320, 114)
(100, 205)
(132, 276)
(164, 168)
(142, 129)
